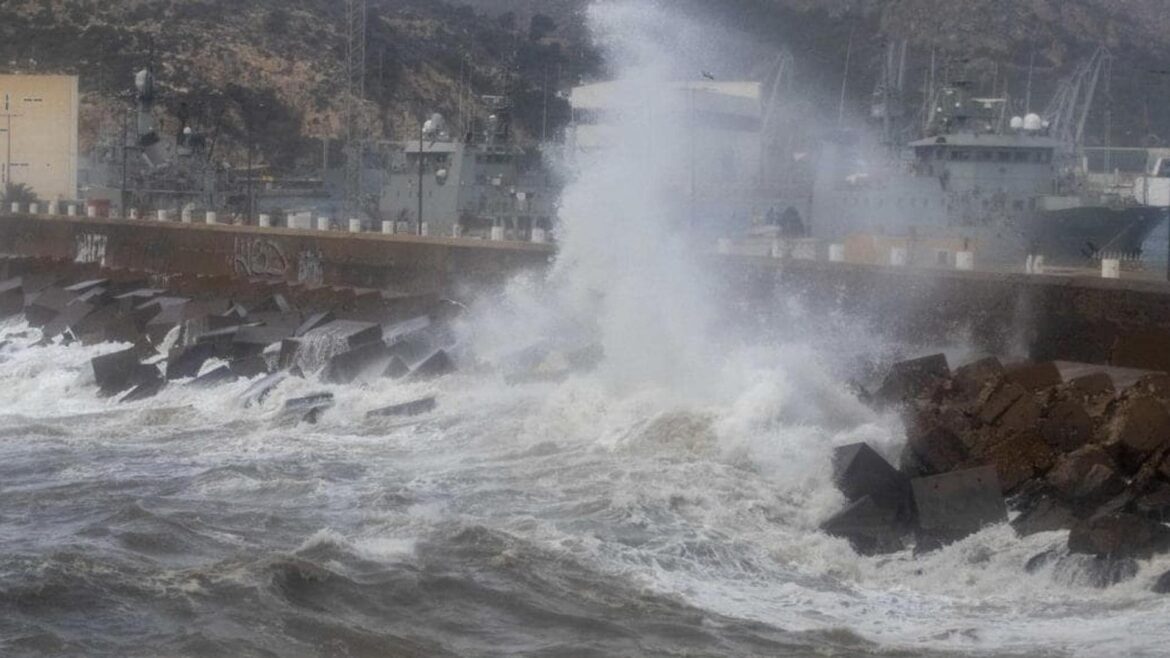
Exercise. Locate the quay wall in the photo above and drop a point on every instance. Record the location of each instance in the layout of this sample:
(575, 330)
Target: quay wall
(404, 264)
(1046, 317)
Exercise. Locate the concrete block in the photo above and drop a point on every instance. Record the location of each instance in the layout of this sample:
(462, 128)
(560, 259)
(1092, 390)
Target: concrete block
(47, 305)
(11, 297)
(69, 317)
(1067, 426)
(971, 379)
(1144, 349)
(412, 408)
(870, 527)
(910, 380)
(1045, 514)
(396, 368)
(367, 361)
(1119, 535)
(220, 375)
(1035, 377)
(120, 371)
(859, 471)
(185, 362)
(314, 321)
(150, 386)
(352, 333)
(1140, 426)
(437, 364)
(309, 408)
(938, 449)
(954, 505)
(258, 392)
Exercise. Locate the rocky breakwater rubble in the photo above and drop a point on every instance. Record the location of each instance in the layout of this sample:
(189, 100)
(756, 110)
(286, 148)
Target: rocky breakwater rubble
(202, 332)
(1054, 446)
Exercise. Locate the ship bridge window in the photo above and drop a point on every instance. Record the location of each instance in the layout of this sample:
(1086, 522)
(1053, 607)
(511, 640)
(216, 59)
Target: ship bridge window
(1004, 156)
(960, 155)
(985, 155)
(1021, 156)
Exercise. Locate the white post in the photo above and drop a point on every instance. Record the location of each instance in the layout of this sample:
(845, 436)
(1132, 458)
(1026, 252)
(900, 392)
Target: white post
(425, 229)
(33, 208)
(403, 227)
(497, 234)
(133, 214)
(836, 253)
(53, 208)
(322, 223)
(15, 208)
(91, 211)
(539, 236)
(265, 221)
(965, 261)
(355, 226)
(211, 217)
(457, 231)
(162, 215)
(777, 250)
(388, 228)
(1038, 265)
(1110, 268)
(899, 256)
(71, 210)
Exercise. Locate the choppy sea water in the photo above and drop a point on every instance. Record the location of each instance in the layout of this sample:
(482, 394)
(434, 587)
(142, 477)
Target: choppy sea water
(542, 520)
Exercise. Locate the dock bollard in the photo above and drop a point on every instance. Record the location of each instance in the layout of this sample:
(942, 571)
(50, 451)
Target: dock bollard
(1038, 265)
(457, 231)
(133, 213)
(965, 261)
(53, 208)
(15, 208)
(497, 234)
(1110, 268)
(211, 218)
(161, 215)
(33, 208)
(424, 229)
(899, 257)
(836, 253)
(71, 210)
(91, 211)
(265, 221)
(322, 223)
(388, 228)
(355, 226)
(539, 236)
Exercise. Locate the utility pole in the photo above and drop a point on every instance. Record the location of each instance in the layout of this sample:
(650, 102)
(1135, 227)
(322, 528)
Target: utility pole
(8, 115)
(421, 146)
(845, 78)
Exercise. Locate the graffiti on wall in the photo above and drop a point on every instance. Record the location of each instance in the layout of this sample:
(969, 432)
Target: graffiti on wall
(90, 248)
(259, 257)
(310, 270)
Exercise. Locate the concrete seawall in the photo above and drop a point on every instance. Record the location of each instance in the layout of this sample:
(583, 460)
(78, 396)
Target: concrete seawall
(399, 263)
(1103, 321)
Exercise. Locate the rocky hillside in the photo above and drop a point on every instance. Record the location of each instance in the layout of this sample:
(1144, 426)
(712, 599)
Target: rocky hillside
(273, 70)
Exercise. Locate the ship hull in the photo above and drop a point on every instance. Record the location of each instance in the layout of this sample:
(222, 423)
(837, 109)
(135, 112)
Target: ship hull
(1077, 236)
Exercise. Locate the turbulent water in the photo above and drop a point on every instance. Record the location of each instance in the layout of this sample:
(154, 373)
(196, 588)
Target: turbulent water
(666, 503)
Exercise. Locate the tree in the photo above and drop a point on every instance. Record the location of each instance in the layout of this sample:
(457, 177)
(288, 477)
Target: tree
(18, 193)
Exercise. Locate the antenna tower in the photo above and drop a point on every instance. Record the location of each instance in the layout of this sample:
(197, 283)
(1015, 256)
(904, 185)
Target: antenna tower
(355, 96)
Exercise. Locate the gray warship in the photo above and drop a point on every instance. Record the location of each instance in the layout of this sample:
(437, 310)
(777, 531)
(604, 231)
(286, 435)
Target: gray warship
(476, 184)
(973, 183)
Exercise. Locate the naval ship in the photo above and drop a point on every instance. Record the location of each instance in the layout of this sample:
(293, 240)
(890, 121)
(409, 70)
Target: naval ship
(478, 184)
(968, 186)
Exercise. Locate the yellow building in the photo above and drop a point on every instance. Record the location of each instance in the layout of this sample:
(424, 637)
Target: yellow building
(38, 134)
